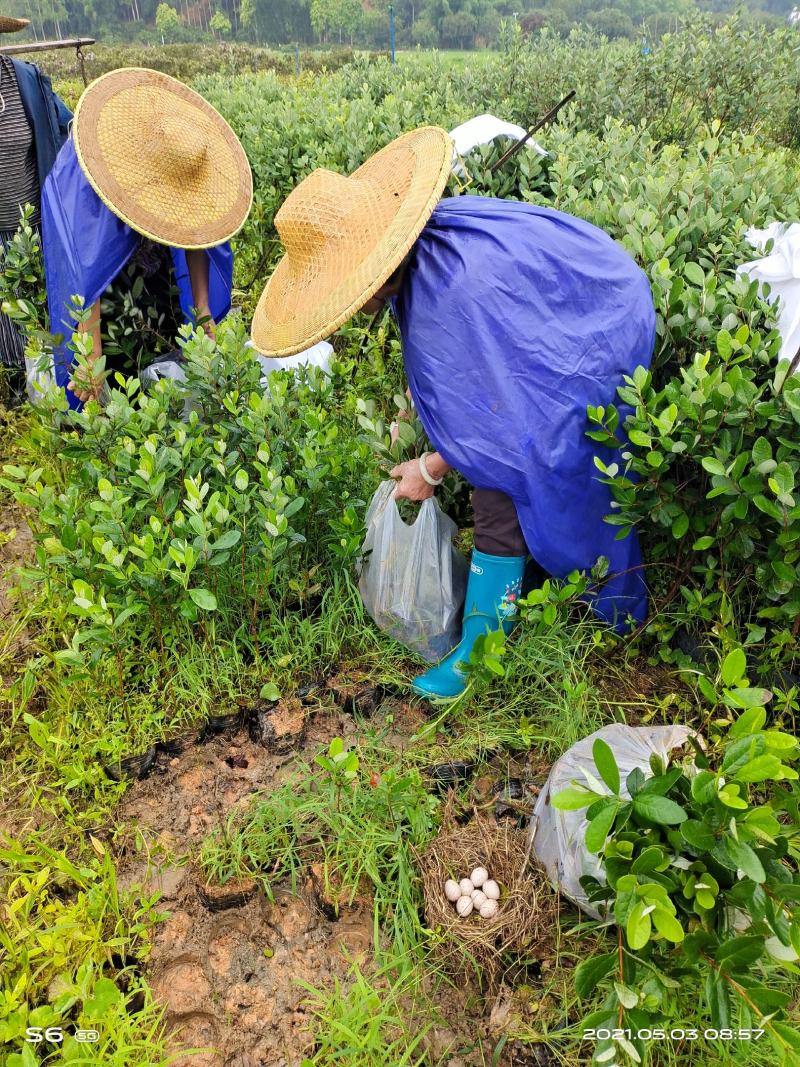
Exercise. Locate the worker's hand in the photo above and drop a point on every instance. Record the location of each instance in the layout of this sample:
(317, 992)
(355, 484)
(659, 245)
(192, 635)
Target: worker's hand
(85, 385)
(411, 484)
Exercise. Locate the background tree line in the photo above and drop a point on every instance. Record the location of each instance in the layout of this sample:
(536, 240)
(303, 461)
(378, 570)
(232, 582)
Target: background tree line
(450, 24)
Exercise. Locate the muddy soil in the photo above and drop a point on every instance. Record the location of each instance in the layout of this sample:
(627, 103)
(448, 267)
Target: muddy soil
(229, 980)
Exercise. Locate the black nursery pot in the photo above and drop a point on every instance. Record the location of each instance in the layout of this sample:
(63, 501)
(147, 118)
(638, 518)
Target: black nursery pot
(133, 767)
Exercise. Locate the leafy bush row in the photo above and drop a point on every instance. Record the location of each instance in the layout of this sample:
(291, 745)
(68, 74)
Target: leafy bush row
(187, 61)
(718, 526)
(148, 520)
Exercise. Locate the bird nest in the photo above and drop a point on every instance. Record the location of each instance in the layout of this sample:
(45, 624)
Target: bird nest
(525, 921)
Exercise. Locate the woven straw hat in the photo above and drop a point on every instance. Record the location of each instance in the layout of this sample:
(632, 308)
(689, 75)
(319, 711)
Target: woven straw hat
(8, 24)
(162, 159)
(345, 236)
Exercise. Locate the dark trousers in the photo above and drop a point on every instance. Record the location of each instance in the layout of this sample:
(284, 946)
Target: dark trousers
(498, 532)
(497, 528)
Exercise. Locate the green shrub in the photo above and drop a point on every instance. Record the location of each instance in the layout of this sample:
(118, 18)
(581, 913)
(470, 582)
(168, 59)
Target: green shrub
(146, 523)
(702, 855)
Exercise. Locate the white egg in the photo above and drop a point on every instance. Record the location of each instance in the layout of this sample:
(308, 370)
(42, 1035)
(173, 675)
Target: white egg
(452, 890)
(466, 887)
(464, 906)
(478, 898)
(491, 889)
(488, 909)
(479, 876)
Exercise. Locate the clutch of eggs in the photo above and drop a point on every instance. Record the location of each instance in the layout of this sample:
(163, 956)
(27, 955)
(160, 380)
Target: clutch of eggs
(478, 893)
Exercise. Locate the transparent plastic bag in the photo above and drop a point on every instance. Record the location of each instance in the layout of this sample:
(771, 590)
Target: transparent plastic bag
(413, 581)
(558, 837)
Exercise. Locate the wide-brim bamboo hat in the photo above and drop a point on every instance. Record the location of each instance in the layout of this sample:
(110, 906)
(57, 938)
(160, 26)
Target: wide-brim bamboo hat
(8, 24)
(344, 236)
(162, 158)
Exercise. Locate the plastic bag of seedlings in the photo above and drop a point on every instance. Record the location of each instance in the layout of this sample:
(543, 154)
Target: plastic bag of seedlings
(412, 579)
(558, 837)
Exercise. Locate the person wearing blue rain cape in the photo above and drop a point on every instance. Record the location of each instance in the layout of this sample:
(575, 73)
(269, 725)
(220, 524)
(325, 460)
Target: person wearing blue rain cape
(151, 172)
(513, 319)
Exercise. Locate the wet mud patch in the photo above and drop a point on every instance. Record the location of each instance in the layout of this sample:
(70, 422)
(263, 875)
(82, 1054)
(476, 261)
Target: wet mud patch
(229, 980)
(226, 962)
(228, 975)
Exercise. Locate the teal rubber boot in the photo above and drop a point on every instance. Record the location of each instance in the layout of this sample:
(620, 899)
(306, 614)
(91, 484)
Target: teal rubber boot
(492, 591)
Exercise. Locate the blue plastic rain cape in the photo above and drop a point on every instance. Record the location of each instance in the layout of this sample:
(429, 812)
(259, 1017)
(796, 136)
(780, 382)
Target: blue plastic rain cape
(513, 319)
(86, 246)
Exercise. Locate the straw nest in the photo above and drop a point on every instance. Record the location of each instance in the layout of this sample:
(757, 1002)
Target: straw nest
(525, 921)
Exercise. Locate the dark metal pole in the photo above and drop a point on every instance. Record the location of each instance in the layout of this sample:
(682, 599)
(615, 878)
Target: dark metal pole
(551, 114)
(391, 29)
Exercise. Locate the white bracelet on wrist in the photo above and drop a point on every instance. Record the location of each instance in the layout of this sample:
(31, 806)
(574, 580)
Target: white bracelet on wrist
(423, 470)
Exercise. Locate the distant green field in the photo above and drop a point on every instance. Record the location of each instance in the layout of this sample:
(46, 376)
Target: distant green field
(453, 57)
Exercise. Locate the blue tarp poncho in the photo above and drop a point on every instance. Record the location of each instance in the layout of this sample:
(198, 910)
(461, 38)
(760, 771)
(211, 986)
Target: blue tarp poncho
(86, 246)
(513, 319)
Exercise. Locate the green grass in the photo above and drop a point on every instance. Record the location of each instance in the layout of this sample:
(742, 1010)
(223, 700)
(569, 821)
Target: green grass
(373, 1020)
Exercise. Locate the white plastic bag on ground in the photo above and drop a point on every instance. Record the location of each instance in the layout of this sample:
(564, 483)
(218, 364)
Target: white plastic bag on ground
(558, 836)
(319, 355)
(781, 271)
(483, 129)
(412, 579)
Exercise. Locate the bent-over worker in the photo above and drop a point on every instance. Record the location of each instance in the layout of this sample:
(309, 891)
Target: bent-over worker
(152, 172)
(513, 319)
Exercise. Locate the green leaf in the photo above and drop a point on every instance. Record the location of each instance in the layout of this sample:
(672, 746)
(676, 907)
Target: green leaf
(227, 540)
(762, 451)
(713, 466)
(782, 480)
(760, 769)
(789, 1039)
(739, 952)
(702, 543)
(680, 526)
(767, 1000)
(606, 764)
(697, 834)
(204, 599)
(598, 828)
(662, 783)
(707, 689)
(270, 691)
(734, 667)
(637, 928)
(69, 538)
(745, 859)
(718, 1000)
(694, 272)
(658, 809)
(592, 971)
(573, 799)
(648, 860)
(667, 925)
(635, 781)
